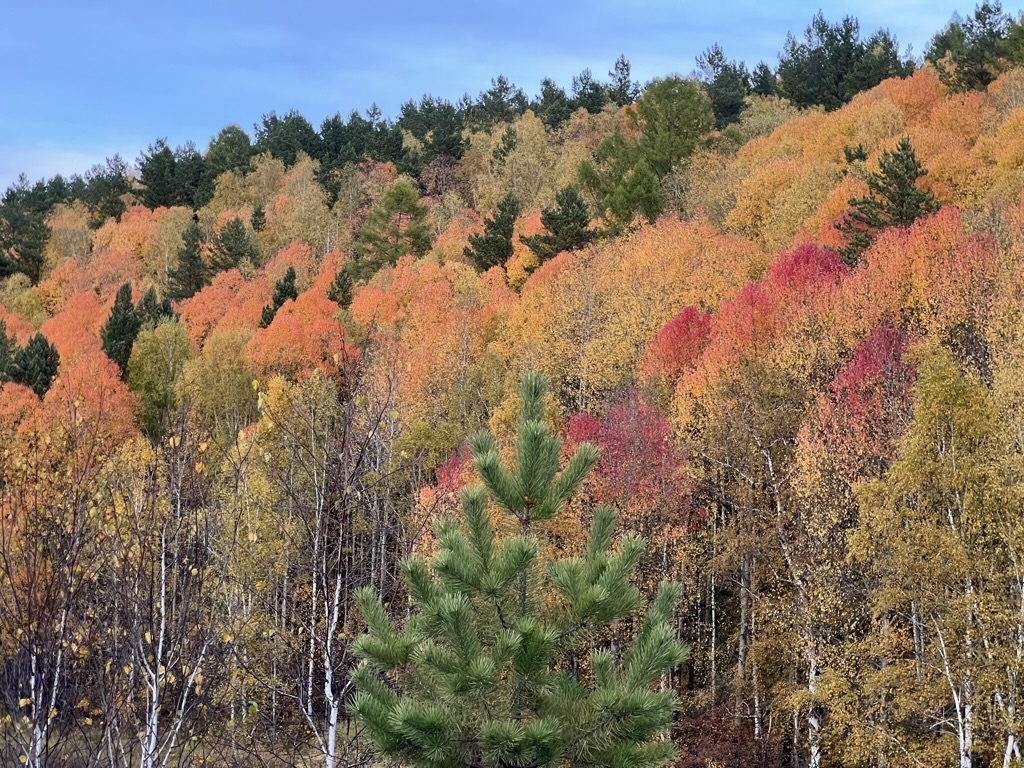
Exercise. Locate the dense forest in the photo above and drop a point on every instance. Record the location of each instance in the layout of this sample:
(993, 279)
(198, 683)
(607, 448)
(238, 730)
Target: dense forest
(631, 425)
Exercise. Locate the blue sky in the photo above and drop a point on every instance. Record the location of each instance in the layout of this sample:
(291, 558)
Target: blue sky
(85, 80)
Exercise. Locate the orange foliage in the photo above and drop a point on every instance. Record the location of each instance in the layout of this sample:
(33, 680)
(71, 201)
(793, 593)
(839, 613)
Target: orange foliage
(18, 328)
(75, 331)
(201, 313)
(916, 96)
(89, 398)
(303, 336)
(132, 233)
(298, 255)
(112, 268)
(63, 282)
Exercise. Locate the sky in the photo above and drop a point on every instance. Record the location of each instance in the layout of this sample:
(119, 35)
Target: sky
(86, 80)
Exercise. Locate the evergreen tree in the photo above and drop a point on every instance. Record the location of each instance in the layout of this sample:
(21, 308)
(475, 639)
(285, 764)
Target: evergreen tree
(482, 672)
(340, 291)
(258, 219)
(191, 274)
(494, 247)
(762, 80)
(7, 349)
(157, 167)
(233, 246)
(726, 82)
(35, 365)
(894, 200)
(969, 54)
(393, 229)
(151, 311)
(552, 106)
(119, 332)
(622, 90)
(284, 289)
(587, 93)
(567, 225)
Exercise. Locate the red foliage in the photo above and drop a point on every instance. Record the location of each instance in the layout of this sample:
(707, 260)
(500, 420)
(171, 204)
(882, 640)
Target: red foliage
(75, 332)
(806, 269)
(641, 469)
(678, 345)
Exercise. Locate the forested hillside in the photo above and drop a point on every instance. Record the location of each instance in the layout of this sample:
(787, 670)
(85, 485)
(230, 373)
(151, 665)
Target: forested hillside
(245, 391)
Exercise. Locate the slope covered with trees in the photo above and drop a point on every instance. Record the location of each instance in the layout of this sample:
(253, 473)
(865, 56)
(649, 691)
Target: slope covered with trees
(238, 390)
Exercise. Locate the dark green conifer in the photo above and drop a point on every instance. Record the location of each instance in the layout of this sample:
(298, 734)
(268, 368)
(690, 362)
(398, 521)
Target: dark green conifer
(894, 200)
(480, 674)
(567, 225)
(233, 246)
(7, 349)
(151, 311)
(35, 365)
(284, 290)
(191, 274)
(340, 291)
(119, 332)
(494, 247)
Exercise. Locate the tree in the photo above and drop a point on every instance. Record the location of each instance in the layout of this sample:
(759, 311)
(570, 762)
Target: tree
(119, 332)
(284, 290)
(7, 348)
(340, 291)
(393, 229)
(587, 93)
(552, 106)
(233, 246)
(494, 247)
(486, 670)
(726, 82)
(157, 174)
(151, 311)
(567, 225)
(763, 81)
(284, 137)
(191, 274)
(968, 54)
(622, 90)
(894, 200)
(35, 365)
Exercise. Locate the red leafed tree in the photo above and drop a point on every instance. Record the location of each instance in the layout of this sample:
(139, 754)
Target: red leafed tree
(677, 347)
(806, 269)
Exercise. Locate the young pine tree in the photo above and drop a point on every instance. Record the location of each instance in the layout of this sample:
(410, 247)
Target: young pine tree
(284, 290)
(340, 291)
(152, 310)
(191, 274)
(119, 332)
(233, 246)
(567, 225)
(35, 365)
(480, 675)
(494, 247)
(894, 200)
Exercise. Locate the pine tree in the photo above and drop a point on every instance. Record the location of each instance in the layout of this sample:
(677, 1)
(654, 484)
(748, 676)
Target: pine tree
(567, 225)
(119, 332)
(35, 365)
(284, 290)
(233, 246)
(151, 311)
(494, 247)
(894, 200)
(393, 229)
(340, 291)
(481, 673)
(7, 348)
(191, 274)
(258, 219)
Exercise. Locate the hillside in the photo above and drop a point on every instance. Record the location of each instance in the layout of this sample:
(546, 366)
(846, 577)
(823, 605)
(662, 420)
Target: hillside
(820, 443)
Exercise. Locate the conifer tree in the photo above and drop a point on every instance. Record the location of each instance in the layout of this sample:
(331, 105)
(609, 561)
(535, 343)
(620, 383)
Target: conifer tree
(7, 347)
(494, 247)
(152, 310)
(340, 291)
(35, 365)
(480, 674)
(233, 246)
(191, 274)
(567, 225)
(894, 200)
(284, 290)
(119, 332)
